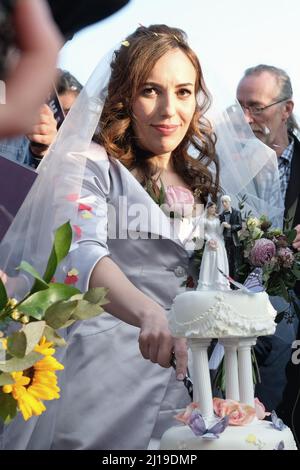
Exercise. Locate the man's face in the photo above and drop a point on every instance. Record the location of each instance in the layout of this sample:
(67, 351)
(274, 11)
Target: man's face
(262, 90)
(226, 205)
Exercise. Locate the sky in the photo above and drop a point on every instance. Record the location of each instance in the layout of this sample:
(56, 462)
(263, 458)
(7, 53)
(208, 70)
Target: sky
(228, 36)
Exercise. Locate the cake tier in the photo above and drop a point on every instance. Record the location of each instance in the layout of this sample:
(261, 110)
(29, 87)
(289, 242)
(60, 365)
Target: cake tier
(258, 435)
(217, 314)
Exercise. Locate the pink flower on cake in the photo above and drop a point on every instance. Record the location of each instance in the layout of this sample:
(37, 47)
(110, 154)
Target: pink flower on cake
(184, 416)
(260, 409)
(239, 413)
(180, 200)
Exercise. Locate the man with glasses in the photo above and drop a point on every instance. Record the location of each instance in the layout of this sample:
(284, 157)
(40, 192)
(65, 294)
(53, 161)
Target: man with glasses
(265, 95)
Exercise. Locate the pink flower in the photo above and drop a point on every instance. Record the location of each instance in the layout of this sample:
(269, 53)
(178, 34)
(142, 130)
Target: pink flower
(72, 197)
(260, 410)
(239, 413)
(72, 277)
(281, 241)
(70, 280)
(286, 257)
(184, 416)
(262, 252)
(84, 207)
(77, 232)
(180, 200)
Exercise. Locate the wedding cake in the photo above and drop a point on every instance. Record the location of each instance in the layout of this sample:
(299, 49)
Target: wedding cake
(218, 314)
(236, 318)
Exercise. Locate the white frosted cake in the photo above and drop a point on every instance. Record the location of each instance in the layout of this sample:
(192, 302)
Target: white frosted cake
(258, 435)
(236, 318)
(219, 314)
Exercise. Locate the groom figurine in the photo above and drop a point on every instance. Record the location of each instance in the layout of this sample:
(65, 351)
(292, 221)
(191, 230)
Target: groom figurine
(232, 223)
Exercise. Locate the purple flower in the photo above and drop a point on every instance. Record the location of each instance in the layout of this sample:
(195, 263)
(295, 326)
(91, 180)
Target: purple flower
(274, 262)
(281, 241)
(262, 252)
(286, 257)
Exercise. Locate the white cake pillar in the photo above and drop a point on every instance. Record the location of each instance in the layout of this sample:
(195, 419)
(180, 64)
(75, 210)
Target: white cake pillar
(201, 376)
(245, 370)
(231, 368)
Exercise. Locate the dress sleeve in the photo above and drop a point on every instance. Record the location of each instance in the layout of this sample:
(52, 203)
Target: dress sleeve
(89, 224)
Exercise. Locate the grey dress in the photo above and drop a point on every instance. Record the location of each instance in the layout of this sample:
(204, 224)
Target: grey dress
(111, 397)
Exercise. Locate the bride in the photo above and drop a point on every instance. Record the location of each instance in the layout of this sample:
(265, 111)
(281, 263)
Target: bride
(214, 255)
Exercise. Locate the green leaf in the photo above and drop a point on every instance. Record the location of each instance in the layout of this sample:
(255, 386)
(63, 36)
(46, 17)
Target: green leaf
(3, 295)
(8, 407)
(68, 323)
(77, 297)
(296, 272)
(60, 249)
(54, 337)
(284, 291)
(85, 310)
(33, 332)
(150, 191)
(291, 235)
(6, 379)
(38, 303)
(96, 295)
(16, 344)
(16, 364)
(39, 284)
(59, 313)
(162, 194)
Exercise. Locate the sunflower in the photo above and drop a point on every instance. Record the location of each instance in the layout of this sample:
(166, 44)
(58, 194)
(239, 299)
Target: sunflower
(37, 383)
(3, 343)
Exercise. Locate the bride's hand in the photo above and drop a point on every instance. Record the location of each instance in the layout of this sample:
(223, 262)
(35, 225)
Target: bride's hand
(213, 244)
(181, 355)
(157, 344)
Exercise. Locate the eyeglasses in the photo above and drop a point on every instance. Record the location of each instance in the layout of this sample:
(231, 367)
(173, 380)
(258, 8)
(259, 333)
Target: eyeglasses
(257, 110)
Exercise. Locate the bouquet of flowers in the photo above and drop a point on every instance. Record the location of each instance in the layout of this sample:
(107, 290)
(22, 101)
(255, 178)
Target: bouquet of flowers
(29, 337)
(269, 250)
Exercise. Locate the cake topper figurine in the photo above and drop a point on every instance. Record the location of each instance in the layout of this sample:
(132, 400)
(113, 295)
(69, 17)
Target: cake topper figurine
(214, 260)
(232, 222)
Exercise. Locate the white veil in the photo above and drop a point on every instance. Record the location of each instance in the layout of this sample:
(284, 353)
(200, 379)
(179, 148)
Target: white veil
(49, 203)
(247, 167)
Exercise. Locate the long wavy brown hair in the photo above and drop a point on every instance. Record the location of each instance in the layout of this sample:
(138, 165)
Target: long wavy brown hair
(130, 68)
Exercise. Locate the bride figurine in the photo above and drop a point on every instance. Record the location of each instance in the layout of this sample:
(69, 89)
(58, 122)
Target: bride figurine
(214, 255)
